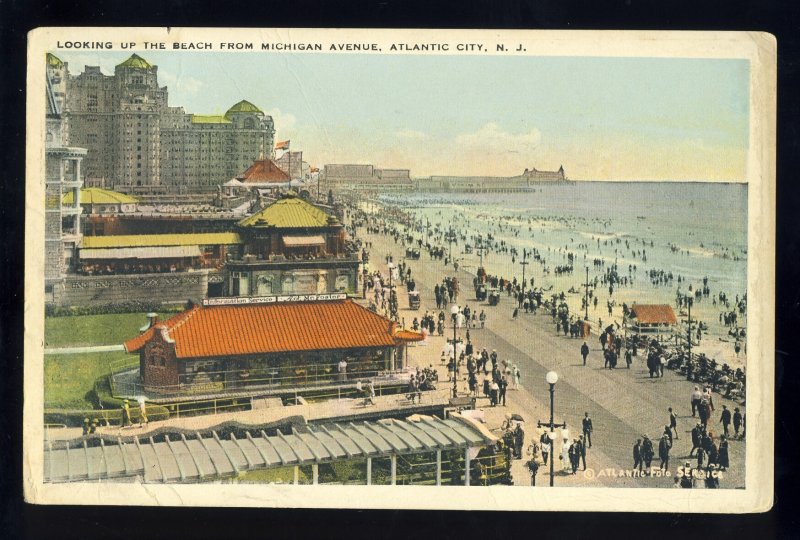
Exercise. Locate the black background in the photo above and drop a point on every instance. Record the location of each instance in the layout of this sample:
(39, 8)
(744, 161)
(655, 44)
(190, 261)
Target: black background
(19, 520)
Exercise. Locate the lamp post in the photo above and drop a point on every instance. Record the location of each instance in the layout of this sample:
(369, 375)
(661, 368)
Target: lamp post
(689, 302)
(454, 313)
(586, 297)
(390, 266)
(524, 263)
(552, 379)
(451, 236)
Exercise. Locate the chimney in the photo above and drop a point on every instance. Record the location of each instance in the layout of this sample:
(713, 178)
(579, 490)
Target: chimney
(152, 319)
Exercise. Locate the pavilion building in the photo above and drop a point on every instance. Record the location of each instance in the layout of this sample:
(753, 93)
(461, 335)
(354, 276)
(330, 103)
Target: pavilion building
(292, 247)
(651, 320)
(271, 345)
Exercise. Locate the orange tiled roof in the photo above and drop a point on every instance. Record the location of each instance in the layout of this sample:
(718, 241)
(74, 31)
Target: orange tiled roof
(653, 314)
(408, 335)
(263, 170)
(216, 331)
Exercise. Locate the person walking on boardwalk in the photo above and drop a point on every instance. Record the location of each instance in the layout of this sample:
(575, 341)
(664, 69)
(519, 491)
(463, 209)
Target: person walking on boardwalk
(533, 468)
(587, 429)
(723, 460)
(582, 449)
(703, 412)
(725, 420)
(545, 444)
(673, 423)
(126, 414)
(482, 318)
(647, 452)
(697, 396)
(566, 464)
(637, 455)
(697, 437)
(584, 352)
(737, 421)
(664, 447)
(574, 455)
(668, 433)
(142, 412)
(502, 386)
(494, 391)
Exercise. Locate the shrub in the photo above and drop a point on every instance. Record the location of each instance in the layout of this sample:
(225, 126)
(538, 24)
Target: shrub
(104, 309)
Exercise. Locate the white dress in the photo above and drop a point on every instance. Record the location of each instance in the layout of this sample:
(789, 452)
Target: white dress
(567, 466)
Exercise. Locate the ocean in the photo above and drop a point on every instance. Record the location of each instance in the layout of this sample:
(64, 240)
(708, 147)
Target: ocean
(694, 230)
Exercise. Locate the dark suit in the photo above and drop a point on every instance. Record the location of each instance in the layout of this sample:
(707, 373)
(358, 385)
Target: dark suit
(587, 431)
(582, 449)
(637, 456)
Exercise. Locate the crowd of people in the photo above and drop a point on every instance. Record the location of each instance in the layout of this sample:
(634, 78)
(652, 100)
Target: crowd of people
(490, 378)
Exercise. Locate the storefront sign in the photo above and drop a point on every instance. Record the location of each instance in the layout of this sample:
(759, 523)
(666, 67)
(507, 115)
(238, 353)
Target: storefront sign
(247, 300)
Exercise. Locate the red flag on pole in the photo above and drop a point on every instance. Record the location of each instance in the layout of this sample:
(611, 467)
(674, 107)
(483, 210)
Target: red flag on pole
(282, 145)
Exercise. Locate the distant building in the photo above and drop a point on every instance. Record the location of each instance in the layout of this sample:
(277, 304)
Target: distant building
(292, 164)
(63, 179)
(540, 176)
(529, 180)
(137, 143)
(365, 176)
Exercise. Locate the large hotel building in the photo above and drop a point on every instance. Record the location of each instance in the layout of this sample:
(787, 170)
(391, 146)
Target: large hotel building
(137, 143)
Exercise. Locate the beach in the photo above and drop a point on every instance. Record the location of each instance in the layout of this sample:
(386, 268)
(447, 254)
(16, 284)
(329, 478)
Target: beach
(701, 241)
(626, 403)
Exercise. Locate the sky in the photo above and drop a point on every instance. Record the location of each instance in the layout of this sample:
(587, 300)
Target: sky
(601, 118)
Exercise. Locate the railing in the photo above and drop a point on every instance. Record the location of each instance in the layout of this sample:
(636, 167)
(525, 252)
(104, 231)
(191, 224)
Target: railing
(249, 379)
(296, 261)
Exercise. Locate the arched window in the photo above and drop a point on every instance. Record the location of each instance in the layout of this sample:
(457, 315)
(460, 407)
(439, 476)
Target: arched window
(264, 286)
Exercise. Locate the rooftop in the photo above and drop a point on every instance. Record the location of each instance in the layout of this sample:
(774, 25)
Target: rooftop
(100, 196)
(137, 62)
(53, 60)
(653, 314)
(263, 171)
(214, 455)
(243, 106)
(154, 240)
(289, 212)
(209, 119)
(219, 331)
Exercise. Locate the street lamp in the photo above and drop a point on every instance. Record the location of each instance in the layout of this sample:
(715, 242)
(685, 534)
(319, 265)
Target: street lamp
(689, 302)
(586, 297)
(451, 237)
(454, 313)
(524, 263)
(552, 379)
(390, 266)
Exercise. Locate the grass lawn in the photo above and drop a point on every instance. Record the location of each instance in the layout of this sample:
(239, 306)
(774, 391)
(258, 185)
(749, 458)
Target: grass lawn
(86, 330)
(68, 377)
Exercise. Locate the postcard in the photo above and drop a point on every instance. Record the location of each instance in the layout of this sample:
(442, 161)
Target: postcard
(505, 270)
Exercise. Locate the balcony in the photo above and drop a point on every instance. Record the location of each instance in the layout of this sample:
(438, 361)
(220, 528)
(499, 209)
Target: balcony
(294, 261)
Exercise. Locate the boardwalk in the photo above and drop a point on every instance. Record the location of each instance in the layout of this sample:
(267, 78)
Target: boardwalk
(624, 404)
